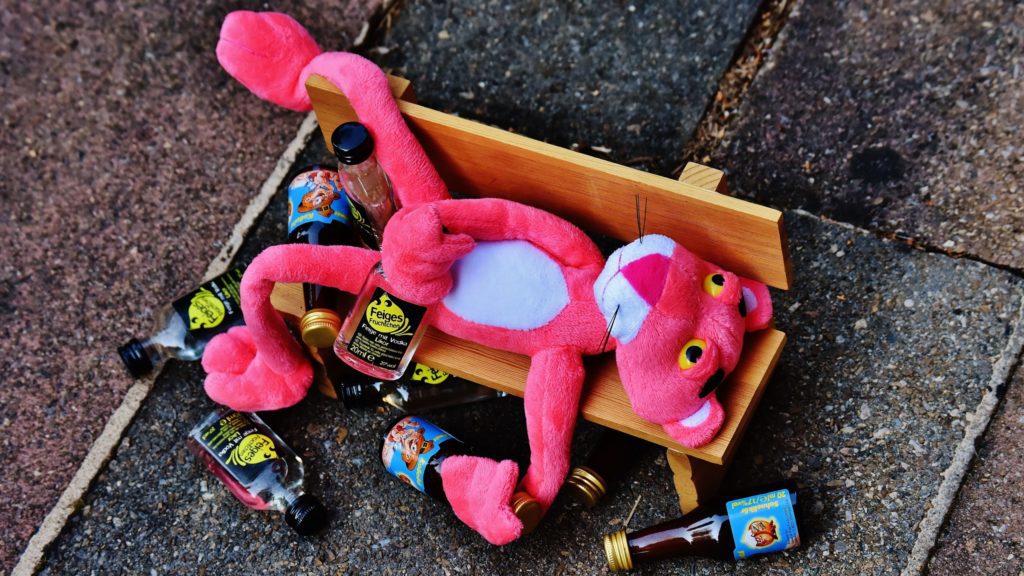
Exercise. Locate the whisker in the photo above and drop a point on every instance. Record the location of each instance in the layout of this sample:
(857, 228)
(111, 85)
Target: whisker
(640, 226)
(608, 333)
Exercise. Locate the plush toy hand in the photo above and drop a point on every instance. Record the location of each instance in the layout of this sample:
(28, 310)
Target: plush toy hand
(479, 491)
(418, 254)
(238, 377)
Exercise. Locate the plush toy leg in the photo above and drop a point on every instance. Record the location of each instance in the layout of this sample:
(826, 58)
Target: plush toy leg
(552, 397)
(479, 491)
(260, 366)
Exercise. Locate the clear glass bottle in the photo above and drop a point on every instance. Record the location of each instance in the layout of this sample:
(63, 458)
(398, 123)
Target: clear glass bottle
(258, 468)
(423, 390)
(184, 327)
(733, 530)
(381, 332)
(414, 450)
(366, 186)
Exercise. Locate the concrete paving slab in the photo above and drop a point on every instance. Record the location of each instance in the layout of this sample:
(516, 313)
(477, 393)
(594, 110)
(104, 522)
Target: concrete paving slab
(891, 349)
(623, 80)
(898, 116)
(982, 535)
(128, 157)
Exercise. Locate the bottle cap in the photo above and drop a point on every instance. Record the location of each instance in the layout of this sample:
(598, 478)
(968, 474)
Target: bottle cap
(616, 548)
(528, 509)
(306, 515)
(352, 143)
(320, 327)
(586, 486)
(135, 358)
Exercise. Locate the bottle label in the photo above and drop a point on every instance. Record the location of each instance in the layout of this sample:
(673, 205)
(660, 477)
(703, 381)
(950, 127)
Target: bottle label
(762, 524)
(386, 329)
(428, 375)
(214, 307)
(316, 196)
(364, 224)
(408, 448)
(242, 447)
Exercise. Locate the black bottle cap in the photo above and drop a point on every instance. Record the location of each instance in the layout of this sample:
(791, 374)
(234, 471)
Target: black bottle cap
(352, 143)
(135, 358)
(306, 515)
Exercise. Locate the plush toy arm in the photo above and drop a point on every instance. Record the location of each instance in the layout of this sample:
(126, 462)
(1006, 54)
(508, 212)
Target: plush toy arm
(261, 366)
(273, 55)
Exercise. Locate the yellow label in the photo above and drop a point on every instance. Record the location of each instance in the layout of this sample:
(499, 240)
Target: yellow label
(384, 316)
(205, 310)
(253, 449)
(424, 373)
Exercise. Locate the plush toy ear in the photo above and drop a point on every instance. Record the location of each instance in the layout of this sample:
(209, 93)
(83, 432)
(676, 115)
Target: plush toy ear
(757, 305)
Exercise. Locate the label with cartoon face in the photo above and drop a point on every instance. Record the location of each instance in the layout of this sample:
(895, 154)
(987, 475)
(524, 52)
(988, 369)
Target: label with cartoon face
(385, 330)
(408, 448)
(212, 308)
(316, 196)
(243, 447)
(762, 524)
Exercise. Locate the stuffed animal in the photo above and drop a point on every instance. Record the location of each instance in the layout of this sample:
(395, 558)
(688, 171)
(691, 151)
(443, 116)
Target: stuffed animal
(500, 273)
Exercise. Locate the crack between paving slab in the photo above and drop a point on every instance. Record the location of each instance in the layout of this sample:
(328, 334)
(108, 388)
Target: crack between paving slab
(953, 477)
(71, 499)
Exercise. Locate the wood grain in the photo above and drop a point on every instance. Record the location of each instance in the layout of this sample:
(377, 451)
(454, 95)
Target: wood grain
(597, 195)
(704, 177)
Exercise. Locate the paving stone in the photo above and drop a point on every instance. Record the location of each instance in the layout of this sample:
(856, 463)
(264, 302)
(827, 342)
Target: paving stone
(898, 116)
(629, 77)
(890, 348)
(128, 157)
(982, 535)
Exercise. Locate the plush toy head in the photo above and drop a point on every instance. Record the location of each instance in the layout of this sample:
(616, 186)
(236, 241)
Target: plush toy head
(679, 323)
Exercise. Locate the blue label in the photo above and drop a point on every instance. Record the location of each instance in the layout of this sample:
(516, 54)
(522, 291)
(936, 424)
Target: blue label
(762, 524)
(316, 196)
(408, 448)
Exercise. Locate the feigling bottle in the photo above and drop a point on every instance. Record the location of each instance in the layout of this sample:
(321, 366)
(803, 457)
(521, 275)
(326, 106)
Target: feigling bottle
(423, 390)
(183, 328)
(258, 468)
(732, 530)
(318, 213)
(366, 185)
(414, 451)
(604, 467)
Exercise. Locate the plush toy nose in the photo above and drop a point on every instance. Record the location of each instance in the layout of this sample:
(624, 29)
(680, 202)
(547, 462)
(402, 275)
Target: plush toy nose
(647, 276)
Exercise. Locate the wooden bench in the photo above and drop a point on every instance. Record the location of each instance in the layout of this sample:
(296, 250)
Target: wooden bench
(599, 196)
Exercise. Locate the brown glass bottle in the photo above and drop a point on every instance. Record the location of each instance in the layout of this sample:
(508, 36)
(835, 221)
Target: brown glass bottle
(414, 451)
(318, 213)
(604, 467)
(764, 523)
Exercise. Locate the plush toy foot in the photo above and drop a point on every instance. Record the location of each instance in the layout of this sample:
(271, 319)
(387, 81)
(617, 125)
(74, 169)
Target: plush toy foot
(479, 491)
(237, 376)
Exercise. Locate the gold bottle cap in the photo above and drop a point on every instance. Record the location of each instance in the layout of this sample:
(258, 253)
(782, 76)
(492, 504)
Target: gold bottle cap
(586, 486)
(616, 548)
(320, 328)
(528, 509)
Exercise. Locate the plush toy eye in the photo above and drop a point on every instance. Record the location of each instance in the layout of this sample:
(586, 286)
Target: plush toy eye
(713, 284)
(691, 353)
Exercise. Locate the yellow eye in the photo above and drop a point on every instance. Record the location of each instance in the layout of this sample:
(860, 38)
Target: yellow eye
(691, 353)
(713, 284)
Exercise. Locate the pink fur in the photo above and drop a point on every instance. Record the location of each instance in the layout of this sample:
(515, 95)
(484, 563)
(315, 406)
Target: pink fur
(663, 299)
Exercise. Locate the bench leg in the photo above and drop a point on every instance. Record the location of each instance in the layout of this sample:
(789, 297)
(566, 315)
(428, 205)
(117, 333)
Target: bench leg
(696, 481)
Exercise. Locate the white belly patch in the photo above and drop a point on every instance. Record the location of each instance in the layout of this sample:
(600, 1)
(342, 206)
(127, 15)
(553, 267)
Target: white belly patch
(509, 284)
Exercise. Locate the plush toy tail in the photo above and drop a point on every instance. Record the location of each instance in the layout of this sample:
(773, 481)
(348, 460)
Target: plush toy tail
(272, 55)
(260, 366)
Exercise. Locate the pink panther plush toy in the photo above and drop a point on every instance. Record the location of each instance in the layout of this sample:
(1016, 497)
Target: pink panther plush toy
(499, 273)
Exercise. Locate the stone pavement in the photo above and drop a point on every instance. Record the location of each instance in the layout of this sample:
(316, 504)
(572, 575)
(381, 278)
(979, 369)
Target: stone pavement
(895, 352)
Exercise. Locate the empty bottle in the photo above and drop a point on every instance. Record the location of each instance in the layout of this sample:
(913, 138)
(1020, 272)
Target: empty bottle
(732, 530)
(414, 451)
(318, 213)
(257, 467)
(183, 328)
(366, 186)
(423, 390)
(604, 467)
